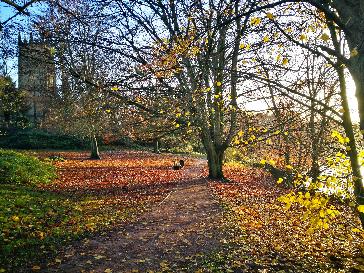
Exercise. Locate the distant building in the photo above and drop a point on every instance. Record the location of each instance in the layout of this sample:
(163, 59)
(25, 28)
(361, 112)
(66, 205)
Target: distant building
(36, 76)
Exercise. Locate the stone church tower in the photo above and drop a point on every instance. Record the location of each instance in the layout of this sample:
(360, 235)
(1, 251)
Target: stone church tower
(36, 76)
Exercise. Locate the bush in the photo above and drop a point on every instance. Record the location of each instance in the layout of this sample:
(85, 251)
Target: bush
(22, 169)
(38, 139)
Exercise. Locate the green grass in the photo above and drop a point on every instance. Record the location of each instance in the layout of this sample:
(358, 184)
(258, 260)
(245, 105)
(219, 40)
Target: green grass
(18, 168)
(35, 223)
(31, 220)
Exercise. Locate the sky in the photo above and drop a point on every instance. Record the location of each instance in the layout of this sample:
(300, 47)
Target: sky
(6, 12)
(260, 105)
(353, 103)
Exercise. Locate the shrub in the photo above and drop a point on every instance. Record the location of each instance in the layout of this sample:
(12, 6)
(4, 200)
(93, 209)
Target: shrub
(23, 169)
(38, 139)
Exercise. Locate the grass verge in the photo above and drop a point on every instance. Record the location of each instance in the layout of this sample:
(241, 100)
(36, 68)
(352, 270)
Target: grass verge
(35, 223)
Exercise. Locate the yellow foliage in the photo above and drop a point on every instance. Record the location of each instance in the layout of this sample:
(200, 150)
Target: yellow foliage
(339, 137)
(354, 52)
(325, 37)
(15, 218)
(303, 37)
(285, 61)
(168, 53)
(316, 211)
(270, 16)
(255, 21)
(356, 230)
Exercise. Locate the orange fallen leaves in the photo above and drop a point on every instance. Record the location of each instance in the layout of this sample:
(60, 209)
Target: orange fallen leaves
(116, 171)
(122, 183)
(273, 233)
(89, 196)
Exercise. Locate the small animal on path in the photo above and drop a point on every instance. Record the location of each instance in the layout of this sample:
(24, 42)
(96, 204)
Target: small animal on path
(178, 164)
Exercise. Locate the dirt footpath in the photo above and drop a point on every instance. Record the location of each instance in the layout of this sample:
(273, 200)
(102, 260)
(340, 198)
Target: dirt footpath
(166, 238)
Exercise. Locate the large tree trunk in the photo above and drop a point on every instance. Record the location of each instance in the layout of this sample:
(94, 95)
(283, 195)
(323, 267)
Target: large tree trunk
(94, 148)
(215, 161)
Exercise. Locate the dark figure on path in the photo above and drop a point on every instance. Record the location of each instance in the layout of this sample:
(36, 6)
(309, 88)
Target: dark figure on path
(178, 164)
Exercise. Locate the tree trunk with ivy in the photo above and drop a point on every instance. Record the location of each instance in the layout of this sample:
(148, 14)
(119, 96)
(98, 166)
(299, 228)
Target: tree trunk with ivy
(347, 123)
(352, 147)
(156, 146)
(350, 13)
